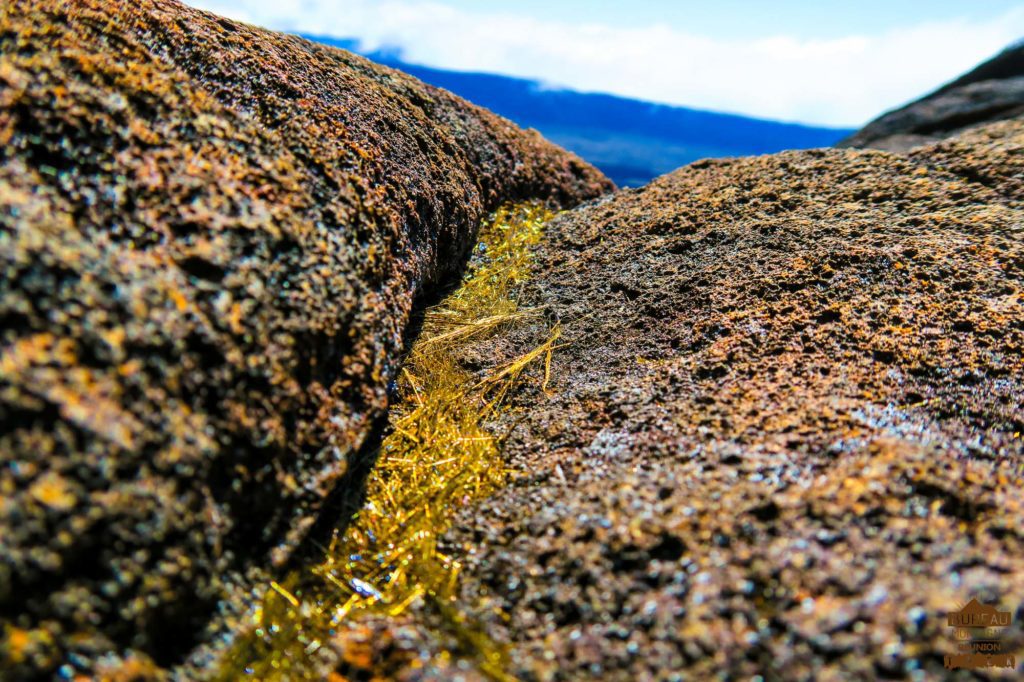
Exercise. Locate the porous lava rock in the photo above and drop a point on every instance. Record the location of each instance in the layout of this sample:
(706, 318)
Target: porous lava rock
(993, 91)
(782, 435)
(211, 237)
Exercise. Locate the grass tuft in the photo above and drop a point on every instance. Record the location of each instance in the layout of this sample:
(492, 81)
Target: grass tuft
(437, 458)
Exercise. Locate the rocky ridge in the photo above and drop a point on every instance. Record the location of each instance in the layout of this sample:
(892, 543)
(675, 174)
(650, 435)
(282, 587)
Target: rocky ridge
(994, 91)
(211, 238)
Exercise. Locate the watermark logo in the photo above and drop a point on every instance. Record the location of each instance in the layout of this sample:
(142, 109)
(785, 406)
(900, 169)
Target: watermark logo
(978, 629)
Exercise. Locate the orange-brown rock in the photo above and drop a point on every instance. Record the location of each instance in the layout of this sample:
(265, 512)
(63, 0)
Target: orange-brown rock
(784, 435)
(211, 237)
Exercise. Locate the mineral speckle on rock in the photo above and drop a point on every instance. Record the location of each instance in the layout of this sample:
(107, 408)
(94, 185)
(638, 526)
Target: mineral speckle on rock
(211, 237)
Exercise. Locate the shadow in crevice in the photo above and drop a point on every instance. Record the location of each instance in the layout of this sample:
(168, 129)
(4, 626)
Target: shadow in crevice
(349, 494)
(347, 498)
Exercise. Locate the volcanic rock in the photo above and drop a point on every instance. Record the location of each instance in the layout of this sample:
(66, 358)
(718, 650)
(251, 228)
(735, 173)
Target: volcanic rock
(211, 237)
(993, 91)
(782, 437)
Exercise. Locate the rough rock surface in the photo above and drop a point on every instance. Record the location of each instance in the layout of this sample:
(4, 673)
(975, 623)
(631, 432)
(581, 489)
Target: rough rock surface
(783, 437)
(993, 91)
(211, 237)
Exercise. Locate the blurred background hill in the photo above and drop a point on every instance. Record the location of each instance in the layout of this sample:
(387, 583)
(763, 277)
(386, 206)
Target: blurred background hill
(632, 141)
(641, 88)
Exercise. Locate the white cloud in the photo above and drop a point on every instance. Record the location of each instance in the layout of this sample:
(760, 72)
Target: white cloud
(844, 81)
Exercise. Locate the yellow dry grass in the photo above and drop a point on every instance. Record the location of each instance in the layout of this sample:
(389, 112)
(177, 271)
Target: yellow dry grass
(437, 458)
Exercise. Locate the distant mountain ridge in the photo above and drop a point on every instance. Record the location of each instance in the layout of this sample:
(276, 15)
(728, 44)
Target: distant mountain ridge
(632, 141)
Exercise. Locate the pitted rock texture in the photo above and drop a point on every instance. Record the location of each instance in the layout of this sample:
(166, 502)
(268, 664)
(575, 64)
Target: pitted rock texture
(994, 91)
(783, 434)
(211, 237)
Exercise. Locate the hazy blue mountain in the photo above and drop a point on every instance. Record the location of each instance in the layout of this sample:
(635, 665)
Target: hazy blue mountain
(630, 140)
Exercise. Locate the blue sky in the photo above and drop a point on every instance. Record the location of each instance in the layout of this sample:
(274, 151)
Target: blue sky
(827, 63)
